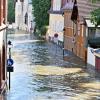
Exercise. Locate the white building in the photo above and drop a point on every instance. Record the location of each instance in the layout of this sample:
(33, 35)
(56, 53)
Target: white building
(91, 34)
(56, 20)
(23, 15)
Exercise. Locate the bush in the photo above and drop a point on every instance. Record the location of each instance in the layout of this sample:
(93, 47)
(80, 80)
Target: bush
(43, 30)
(40, 9)
(11, 12)
(95, 17)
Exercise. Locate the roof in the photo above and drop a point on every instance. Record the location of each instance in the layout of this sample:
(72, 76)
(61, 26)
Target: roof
(60, 11)
(89, 24)
(86, 6)
(68, 6)
(51, 11)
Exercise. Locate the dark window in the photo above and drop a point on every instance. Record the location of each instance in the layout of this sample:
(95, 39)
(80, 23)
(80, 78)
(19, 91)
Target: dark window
(26, 18)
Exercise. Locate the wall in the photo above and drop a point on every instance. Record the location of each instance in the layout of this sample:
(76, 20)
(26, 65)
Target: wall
(74, 39)
(30, 18)
(90, 57)
(3, 56)
(56, 5)
(18, 14)
(3, 20)
(1, 11)
(21, 9)
(68, 34)
(1, 42)
(56, 25)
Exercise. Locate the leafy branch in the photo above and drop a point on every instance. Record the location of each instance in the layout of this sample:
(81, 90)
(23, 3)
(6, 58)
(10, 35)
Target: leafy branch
(40, 9)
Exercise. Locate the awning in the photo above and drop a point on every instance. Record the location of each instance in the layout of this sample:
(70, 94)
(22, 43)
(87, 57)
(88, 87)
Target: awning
(89, 24)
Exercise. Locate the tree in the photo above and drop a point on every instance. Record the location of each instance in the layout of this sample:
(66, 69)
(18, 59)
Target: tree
(11, 11)
(40, 9)
(95, 15)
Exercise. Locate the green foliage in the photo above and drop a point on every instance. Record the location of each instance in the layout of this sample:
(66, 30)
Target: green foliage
(40, 10)
(94, 1)
(95, 14)
(95, 17)
(43, 30)
(11, 11)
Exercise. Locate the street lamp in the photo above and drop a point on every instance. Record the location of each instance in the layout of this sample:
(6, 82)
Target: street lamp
(9, 47)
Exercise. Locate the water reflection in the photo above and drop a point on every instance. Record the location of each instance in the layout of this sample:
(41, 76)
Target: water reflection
(41, 74)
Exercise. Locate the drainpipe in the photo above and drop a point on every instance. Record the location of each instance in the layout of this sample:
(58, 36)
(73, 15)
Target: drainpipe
(63, 40)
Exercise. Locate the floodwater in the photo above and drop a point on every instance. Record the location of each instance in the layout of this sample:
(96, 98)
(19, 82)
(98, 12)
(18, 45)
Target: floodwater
(41, 74)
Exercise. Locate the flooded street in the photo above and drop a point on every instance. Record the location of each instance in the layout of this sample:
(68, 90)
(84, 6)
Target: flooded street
(41, 74)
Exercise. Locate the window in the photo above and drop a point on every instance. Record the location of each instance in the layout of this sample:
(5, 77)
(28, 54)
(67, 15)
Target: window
(26, 18)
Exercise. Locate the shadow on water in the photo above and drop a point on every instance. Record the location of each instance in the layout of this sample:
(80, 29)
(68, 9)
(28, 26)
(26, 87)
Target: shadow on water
(41, 74)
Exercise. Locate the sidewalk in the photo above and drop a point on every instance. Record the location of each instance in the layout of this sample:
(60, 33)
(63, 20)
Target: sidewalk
(71, 60)
(68, 56)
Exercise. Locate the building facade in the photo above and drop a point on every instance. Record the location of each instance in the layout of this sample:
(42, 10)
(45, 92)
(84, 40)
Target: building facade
(23, 15)
(3, 49)
(76, 33)
(56, 20)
